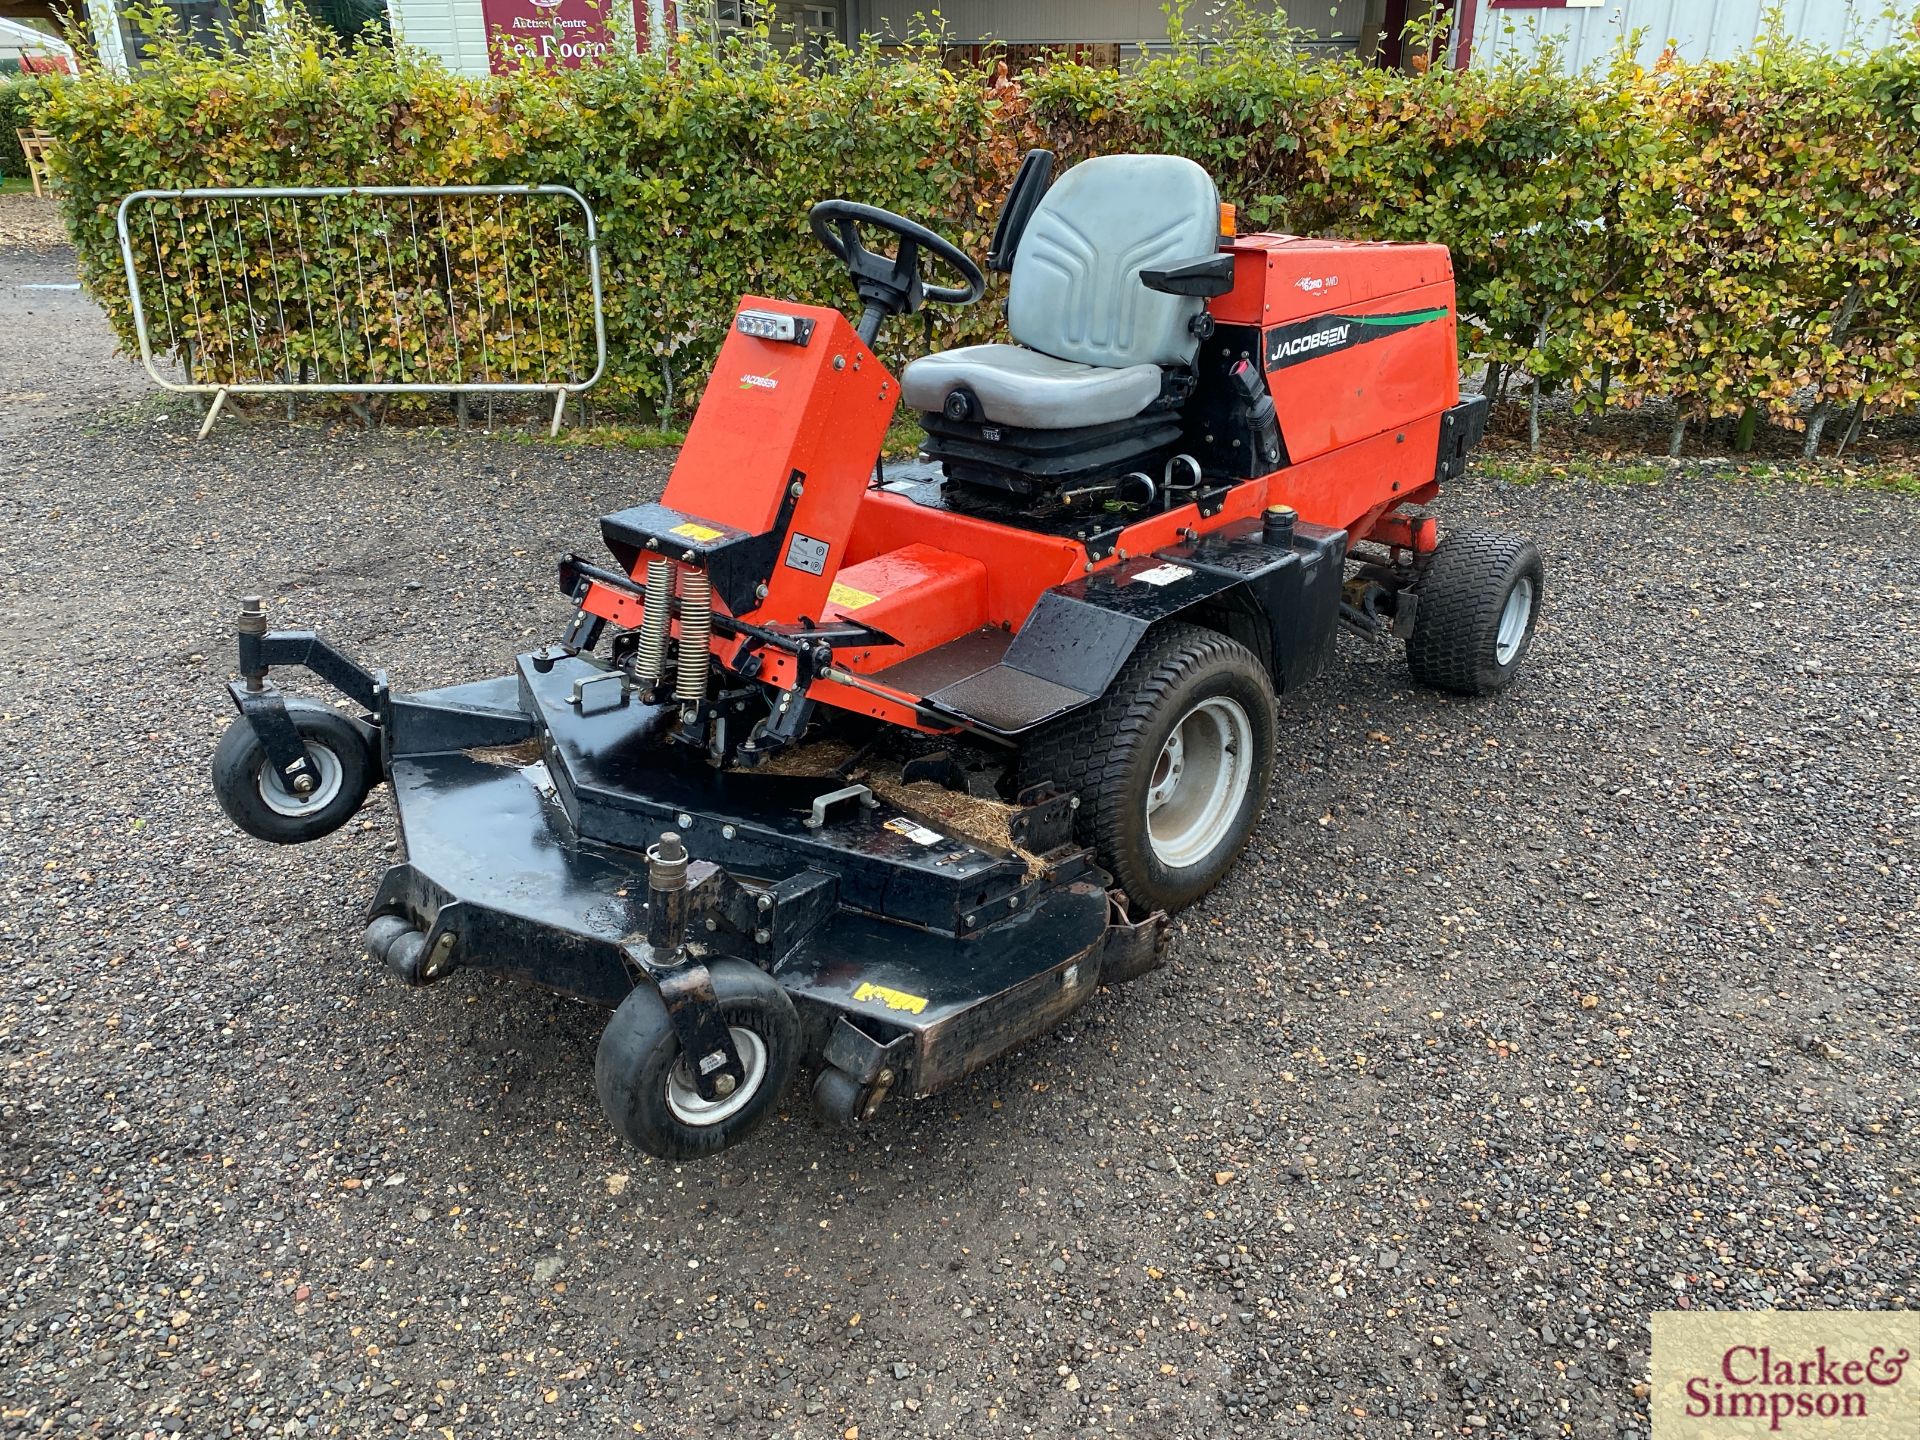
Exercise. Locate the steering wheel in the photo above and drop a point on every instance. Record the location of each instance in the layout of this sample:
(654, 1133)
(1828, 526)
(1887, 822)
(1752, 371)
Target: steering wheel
(891, 286)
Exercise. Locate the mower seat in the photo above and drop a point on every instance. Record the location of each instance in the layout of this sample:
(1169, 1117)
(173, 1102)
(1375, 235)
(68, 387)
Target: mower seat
(1011, 385)
(1092, 341)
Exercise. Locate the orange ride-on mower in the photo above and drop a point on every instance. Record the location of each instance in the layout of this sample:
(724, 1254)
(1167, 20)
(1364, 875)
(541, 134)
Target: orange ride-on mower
(883, 770)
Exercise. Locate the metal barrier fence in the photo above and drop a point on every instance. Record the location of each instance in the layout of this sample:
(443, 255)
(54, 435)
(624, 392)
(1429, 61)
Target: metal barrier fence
(355, 290)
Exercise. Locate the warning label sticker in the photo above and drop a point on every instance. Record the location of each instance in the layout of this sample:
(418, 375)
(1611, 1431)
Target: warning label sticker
(848, 598)
(914, 831)
(891, 998)
(691, 531)
(1163, 574)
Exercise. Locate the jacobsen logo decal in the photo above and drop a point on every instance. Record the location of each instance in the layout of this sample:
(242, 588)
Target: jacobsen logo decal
(1324, 334)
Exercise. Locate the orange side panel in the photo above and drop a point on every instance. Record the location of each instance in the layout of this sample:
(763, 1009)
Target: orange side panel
(1358, 336)
(1352, 487)
(1019, 564)
(920, 596)
(1378, 366)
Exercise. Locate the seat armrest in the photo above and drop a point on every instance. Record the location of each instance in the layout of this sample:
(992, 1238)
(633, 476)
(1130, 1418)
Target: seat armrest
(1208, 276)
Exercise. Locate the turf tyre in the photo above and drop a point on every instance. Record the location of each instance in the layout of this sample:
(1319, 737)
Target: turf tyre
(1464, 636)
(1109, 753)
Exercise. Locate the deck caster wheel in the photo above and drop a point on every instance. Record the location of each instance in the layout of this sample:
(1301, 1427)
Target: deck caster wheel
(1479, 604)
(839, 1099)
(1172, 764)
(258, 802)
(405, 956)
(647, 1090)
(382, 931)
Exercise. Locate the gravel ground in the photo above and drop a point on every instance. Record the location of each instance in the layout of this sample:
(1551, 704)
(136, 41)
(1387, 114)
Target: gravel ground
(1521, 1019)
(56, 352)
(30, 222)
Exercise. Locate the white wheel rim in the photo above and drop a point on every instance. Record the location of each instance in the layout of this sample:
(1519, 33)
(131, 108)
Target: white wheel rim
(1514, 616)
(1199, 781)
(690, 1107)
(282, 800)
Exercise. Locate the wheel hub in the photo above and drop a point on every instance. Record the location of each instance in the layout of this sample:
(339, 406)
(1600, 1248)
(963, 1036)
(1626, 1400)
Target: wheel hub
(1199, 781)
(1514, 617)
(690, 1107)
(285, 799)
(1167, 771)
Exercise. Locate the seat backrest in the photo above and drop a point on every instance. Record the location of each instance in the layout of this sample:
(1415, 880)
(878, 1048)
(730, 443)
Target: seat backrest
(1076, 291)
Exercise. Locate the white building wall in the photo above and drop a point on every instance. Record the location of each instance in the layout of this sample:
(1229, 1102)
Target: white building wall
(1700, 29)
(455, 30)
(17, 39)
(1045, 22)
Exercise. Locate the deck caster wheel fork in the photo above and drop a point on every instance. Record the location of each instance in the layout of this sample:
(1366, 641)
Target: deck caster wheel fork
(650, 1089)
(290, 801)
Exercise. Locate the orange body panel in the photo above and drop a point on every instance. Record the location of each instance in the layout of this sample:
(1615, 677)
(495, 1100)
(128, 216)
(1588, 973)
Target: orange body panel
(773, 410)
(1019, 564)
(1282, 278)
(1360, 337)
(918, 595)
(1358, 341)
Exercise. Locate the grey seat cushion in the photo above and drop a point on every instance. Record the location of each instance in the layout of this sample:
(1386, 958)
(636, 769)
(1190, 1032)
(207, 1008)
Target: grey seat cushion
(1024, 388)
(1091, 337)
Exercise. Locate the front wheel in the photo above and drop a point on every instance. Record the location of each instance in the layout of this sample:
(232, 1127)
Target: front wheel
(1172, 765)
(259, 801)
(646, 1087)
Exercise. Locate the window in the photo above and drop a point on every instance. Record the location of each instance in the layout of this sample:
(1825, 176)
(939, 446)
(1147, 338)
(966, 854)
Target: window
(730, 16)
(819, 25)
(207, 23)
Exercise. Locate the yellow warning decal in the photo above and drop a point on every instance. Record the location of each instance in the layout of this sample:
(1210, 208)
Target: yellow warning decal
(702, 533)
(848, 598)
(892, 999)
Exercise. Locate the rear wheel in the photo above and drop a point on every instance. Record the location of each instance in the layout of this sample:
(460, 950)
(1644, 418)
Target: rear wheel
(1172, 765)
(1479, 604)
(646, 1086)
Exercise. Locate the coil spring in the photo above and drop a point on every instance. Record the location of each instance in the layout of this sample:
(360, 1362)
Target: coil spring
(650, 653)
(696, 635)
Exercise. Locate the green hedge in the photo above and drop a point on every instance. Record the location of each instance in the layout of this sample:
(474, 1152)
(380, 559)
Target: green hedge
(16, 100)
(1733, 237)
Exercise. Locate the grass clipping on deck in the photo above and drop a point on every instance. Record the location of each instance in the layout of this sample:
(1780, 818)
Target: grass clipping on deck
(972, 818)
